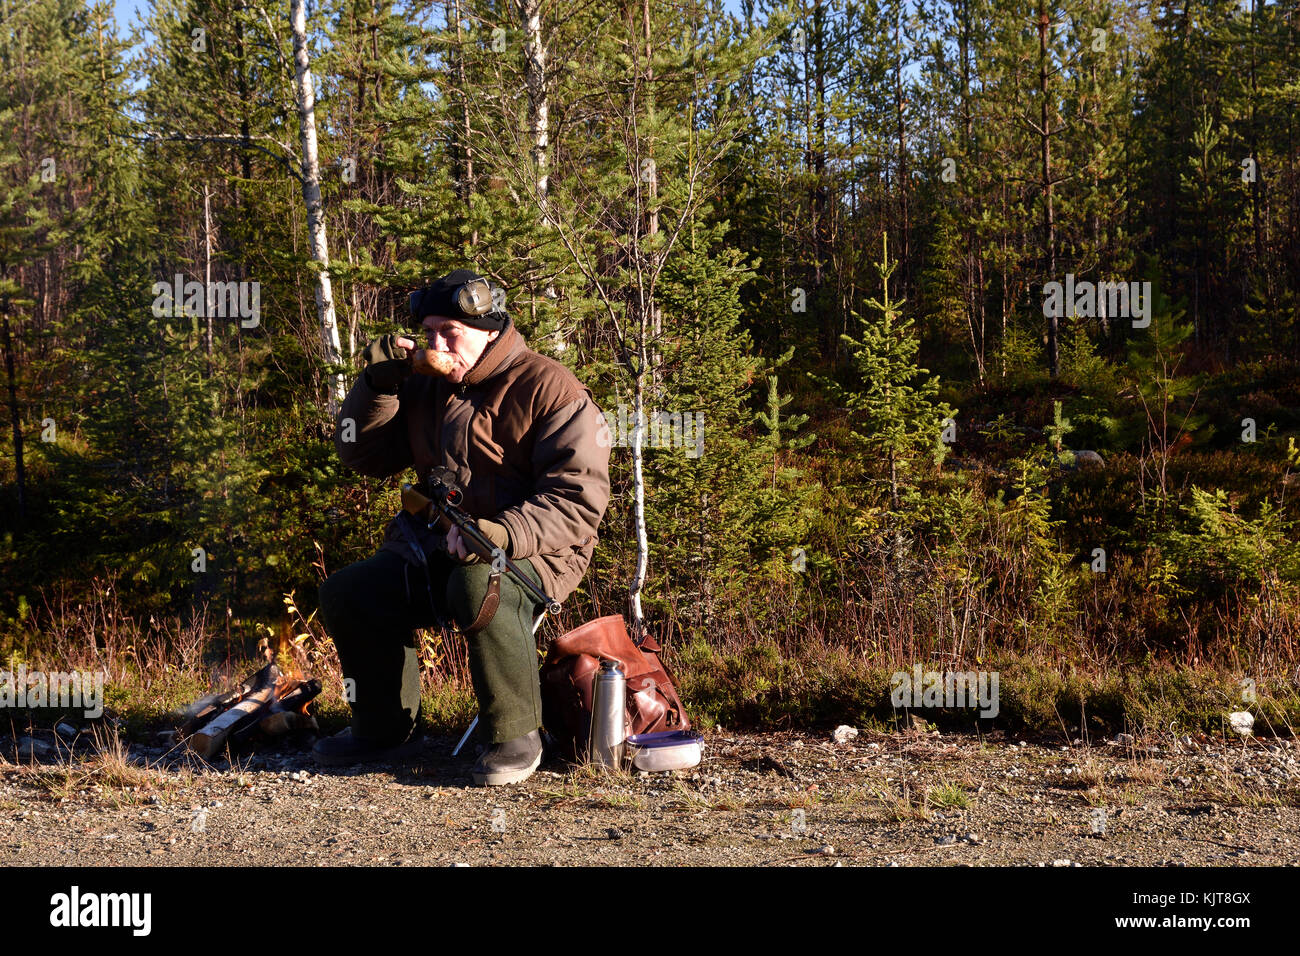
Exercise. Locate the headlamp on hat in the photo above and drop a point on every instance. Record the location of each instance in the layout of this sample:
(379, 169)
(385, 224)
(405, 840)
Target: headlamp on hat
(461, 295)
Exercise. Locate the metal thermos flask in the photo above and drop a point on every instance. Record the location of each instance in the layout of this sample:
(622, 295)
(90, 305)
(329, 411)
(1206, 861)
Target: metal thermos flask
(606, 742)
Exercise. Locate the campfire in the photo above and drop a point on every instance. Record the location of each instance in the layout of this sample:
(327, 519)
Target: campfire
(267, 703)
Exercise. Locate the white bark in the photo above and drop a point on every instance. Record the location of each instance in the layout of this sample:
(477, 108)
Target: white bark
(305, 95)
(638, 488)
(539, 124)
(652, 213)
(539, 113)
(647, 319)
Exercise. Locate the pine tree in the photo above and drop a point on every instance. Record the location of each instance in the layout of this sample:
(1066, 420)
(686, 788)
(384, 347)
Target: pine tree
(37, 201)
(721, 509)
(1167, 397)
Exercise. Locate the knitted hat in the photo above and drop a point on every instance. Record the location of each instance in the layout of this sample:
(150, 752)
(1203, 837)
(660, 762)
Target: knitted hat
(463, 295)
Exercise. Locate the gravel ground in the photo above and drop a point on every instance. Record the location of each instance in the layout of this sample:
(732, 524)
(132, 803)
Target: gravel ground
(914, 798)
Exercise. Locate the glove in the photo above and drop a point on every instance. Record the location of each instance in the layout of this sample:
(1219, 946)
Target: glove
(388, 365)
(495, 532)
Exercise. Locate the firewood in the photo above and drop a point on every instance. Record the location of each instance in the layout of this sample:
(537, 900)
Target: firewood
(204, 711)
(298, 697)
(237, 715)
(208, 740)
(295, 695)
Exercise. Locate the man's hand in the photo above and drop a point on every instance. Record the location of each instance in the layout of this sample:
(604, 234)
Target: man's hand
(388, 362)
(459, 548)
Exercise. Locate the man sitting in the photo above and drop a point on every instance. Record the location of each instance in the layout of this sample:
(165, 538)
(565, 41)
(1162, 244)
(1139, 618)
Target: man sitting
(518, 433)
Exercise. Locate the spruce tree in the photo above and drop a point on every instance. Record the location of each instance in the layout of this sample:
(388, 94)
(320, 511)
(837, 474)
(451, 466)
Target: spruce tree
(896, 412)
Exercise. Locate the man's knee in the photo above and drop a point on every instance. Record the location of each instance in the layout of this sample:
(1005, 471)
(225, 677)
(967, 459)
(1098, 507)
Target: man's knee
(332, 598)
(338, 594)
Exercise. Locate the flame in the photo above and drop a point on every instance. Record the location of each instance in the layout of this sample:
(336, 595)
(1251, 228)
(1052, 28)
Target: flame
(289, 656)
(292, 661)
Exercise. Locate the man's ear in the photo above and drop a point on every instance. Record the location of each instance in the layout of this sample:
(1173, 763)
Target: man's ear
(493, 334)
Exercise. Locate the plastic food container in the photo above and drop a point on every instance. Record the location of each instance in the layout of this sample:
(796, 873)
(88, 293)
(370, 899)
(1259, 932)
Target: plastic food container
(668, 750)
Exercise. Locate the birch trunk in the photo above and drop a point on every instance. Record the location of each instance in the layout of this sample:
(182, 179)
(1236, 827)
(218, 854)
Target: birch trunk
(638, 490)
(539, 126)
(647, 331)
(539, 111)
(207, 270)
(652, 211)
(305, 94)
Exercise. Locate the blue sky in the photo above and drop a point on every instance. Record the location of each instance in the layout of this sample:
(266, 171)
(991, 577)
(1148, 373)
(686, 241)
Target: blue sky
(125, 11)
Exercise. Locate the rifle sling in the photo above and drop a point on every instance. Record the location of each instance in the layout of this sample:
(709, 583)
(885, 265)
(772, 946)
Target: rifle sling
(417, 505)
(490, 602)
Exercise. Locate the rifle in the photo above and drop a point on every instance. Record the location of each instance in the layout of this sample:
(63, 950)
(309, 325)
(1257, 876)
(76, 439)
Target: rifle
(445, 496)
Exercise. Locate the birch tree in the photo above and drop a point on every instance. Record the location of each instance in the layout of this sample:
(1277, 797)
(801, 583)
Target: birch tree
(539, 124)
(651, 128)
(305, 96)
(539, 112)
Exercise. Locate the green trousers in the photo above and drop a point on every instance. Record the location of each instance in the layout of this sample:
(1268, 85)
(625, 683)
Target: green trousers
(371, 610)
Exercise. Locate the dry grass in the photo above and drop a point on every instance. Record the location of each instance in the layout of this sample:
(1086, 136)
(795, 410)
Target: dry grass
(1145, 776)
(800, 799)
(699, 802)
(1230, 788)
(847, 796)
(595, 786)
(1148, 774)
(1102, 787)
(107, 775)
(905, 805)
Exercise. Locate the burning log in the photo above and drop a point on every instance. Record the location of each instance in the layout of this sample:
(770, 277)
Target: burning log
(206, 709)
(298, 695)
(209, 739)
(288, 712)
(267, 702)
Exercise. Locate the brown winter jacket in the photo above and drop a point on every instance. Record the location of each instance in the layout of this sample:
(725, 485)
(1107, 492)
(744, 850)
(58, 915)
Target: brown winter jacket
(520, 435)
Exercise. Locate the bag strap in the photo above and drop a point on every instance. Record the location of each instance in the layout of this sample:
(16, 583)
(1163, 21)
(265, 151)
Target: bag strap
(490, 602)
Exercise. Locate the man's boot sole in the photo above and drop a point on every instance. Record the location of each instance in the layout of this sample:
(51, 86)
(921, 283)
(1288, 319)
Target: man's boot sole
(498, 778)
(411, 748)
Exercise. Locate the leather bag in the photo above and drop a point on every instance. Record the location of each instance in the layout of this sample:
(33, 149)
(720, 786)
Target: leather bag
(568, 683)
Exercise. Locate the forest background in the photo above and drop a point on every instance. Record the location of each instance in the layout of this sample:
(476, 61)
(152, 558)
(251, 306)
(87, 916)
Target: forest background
(826, 230)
